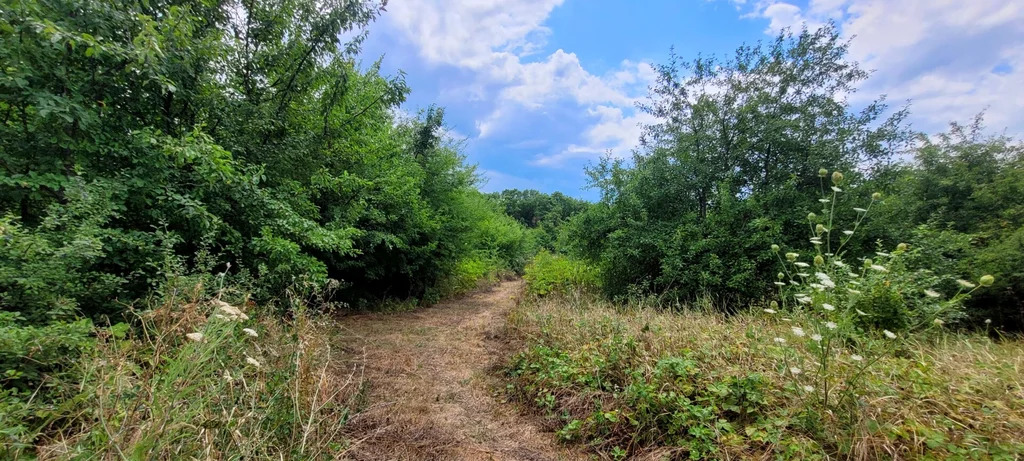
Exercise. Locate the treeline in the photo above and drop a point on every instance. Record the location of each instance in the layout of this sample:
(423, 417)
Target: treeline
(142, 140)
(731, 170)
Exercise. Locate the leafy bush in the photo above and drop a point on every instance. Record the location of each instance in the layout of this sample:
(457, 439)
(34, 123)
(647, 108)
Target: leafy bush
(550, 274)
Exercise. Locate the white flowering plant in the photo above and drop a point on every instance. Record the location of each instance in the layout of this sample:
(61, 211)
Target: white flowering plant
(843, 309)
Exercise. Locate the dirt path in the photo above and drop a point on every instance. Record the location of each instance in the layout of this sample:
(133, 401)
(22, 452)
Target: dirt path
(433, 393)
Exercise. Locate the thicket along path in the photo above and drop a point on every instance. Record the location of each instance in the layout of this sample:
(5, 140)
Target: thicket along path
(432, 388)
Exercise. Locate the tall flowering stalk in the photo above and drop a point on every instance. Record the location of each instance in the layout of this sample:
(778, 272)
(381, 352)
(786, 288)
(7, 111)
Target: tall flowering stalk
(843, 308)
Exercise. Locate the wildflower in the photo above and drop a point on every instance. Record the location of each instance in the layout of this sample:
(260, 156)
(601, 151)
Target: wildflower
(856, 358)
(889, 334)
(773, 305)
(816, 337)
(811, 216)
(798, 331)
(818, 286)
(860, 312)
(770, 311)
(988, 321)
(838, 263)
(801, 264)
(816, 241)
(195, 336)
(808, 388)
(901, 247)
(822, 172)
(819, 260)
(828, 307)
(848, 232)
(876, 196)
(868, 262)
(787, 319)
(825, 280)
(882, 254)
(852, 291)
(820, 228)
(837, 178)
(775, 248)
(831, 325)
(795, 370)
(250, 332)
(791, 257)
(780, 276)
(779, 284)
(230, 311)
(879, 268)
(859, 210)
(804, 299)
(824, 200)
(252, 361)
(965, 283)
(836, 189)
(780, 340)
(938, 322)
(986, 280)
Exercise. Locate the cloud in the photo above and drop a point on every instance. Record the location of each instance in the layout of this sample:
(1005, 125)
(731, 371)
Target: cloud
(498, 42)
(615, 132)
(952, 59)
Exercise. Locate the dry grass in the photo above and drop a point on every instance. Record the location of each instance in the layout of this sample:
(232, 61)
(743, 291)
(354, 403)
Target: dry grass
(155, 394)
(938, 395)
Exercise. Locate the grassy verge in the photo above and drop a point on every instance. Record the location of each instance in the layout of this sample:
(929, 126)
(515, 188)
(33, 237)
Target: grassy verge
(193, 378)
(632, 381)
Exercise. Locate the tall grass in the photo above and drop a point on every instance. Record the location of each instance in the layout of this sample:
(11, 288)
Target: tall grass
(199, 378)
(633, 380)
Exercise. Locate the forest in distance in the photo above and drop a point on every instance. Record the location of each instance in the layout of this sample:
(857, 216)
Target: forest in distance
(195, 196)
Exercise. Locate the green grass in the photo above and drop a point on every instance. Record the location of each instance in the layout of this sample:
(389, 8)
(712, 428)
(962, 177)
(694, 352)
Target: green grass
(632, 380)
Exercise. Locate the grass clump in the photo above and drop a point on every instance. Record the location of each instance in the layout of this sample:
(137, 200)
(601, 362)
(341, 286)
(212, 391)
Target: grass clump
(193, 378)
(645, 381)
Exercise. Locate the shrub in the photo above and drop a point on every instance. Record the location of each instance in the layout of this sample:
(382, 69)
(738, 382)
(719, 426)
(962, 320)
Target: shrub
(551, 274)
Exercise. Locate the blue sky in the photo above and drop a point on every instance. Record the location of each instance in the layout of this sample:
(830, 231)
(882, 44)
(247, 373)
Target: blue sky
(540, 88)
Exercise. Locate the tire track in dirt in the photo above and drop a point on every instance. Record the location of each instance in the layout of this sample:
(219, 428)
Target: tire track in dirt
(432, 388)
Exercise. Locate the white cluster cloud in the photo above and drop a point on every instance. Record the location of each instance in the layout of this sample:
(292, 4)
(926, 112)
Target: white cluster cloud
(493, 39)
(952, 59)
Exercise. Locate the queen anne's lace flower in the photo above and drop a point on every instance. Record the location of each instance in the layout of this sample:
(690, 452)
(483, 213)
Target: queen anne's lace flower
(828, 307)
(856, 358)
(250, 332)
(889, 334)
(798, 331)
(252, 361)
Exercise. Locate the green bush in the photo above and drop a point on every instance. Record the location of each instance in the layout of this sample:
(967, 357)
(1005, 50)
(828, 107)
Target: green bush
(551, 274)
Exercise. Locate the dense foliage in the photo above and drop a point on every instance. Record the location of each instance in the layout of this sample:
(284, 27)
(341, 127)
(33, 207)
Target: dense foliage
(220, 136)
(730, 170)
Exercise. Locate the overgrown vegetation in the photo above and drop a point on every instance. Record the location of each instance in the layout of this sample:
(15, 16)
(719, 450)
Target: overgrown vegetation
(146, 142)
(638, 380)
(188, 189)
